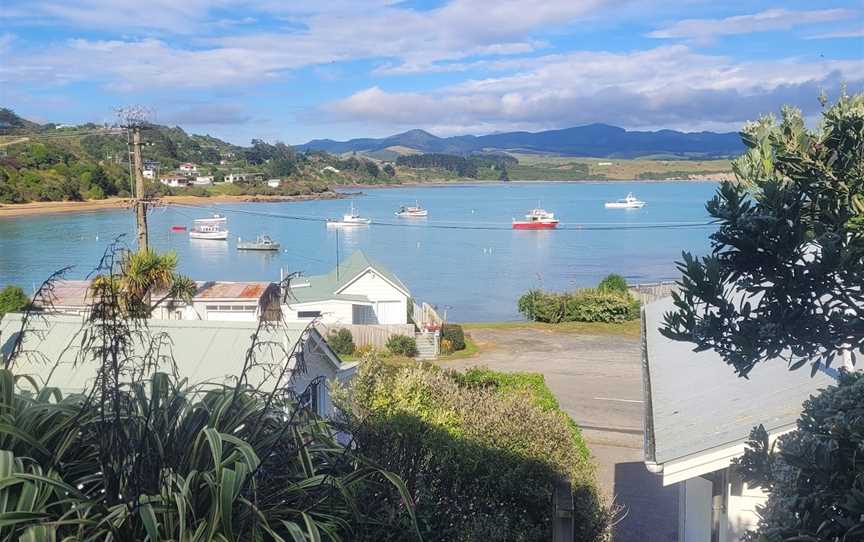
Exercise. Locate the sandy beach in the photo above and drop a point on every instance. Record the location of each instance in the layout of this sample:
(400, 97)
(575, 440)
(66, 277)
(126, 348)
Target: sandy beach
(12, 210)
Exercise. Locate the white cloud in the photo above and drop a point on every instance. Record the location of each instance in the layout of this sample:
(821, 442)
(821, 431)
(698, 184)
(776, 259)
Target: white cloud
(667, 86)
(838, 34)
(764, 21)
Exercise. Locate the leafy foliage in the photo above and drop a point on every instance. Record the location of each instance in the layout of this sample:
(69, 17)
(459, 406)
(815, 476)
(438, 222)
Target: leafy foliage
(613, 283)
(341, 341)
(12, 299)
(787, 263)
(455, 334)
(479, 455)
(585, 305)
(402, 345)
(815, 474)
(145, 456)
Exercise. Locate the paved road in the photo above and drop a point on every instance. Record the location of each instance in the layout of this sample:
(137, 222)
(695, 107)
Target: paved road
(598, 381)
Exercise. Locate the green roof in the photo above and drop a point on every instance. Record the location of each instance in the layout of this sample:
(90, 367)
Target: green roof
(204, 351)
(326, 287)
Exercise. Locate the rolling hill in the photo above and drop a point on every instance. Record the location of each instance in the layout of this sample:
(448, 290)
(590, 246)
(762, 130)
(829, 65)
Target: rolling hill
(597, 140)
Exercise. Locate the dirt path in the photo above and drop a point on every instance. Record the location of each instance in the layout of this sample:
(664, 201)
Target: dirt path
(598, 382)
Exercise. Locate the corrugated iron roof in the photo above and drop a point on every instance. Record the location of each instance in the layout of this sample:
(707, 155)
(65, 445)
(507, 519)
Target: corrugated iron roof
(232, 290)
(698, 403)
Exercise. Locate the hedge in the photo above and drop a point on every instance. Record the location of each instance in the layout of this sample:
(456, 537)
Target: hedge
(480, 452)
(586, 305)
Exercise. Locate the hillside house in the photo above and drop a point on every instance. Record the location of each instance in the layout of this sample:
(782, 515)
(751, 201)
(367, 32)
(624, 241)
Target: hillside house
(243, 177)
(698, 415)
(203, 351)
(274, 183)
(360, 291)
(188, 168)
(150, 169)
(176, 181)
(213, 301)
(203, 180)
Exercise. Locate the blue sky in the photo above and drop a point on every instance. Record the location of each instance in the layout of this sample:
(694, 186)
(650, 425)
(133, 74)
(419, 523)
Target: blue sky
(293, 71)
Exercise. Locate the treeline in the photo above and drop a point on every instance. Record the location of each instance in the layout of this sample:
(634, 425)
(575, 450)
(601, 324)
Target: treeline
(461, 166)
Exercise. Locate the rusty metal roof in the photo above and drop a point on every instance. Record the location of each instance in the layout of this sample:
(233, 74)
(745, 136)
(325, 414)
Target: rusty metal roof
(231, 290)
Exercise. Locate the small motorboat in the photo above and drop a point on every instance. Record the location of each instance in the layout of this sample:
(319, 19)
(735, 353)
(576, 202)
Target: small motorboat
(263, 242)
(412, 211)
(351, 218)
(178, 228)
(630, 202)
(209, 228)
(537, 219)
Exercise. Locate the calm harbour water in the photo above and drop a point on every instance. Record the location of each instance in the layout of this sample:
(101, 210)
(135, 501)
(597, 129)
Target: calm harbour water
(476, 275)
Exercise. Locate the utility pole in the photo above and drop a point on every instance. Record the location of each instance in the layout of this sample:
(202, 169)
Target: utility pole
(133, 119)
(140, 201)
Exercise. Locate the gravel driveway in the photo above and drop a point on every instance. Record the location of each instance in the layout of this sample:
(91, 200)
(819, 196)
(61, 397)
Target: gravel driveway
(598, 381)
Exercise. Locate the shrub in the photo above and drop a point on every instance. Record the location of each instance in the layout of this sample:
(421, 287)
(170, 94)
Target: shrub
(477, 451)
(12, 299)
(613, 283)
(341, 341)
(455, 335)
(586, 305)
(446, 346)
(402, 345)
(815, 474)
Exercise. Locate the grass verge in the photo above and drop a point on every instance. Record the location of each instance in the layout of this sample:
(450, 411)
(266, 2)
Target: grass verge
(627, 329)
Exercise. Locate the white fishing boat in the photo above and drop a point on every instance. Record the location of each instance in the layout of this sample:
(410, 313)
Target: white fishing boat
(630, 202)
(263, 242)
(412, 211)
(351, 218)
(209, 228)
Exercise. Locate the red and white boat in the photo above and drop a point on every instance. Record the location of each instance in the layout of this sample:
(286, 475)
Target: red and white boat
(537, 219)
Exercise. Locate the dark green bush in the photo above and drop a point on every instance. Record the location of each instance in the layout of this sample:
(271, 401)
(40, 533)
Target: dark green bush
(814, 475)
(586, 305)
(613, 283)
(455, 334)
(402, 345)
(12, 299)
(480, 452)
(341, 341)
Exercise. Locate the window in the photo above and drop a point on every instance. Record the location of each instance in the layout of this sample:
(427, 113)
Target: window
(308, 314)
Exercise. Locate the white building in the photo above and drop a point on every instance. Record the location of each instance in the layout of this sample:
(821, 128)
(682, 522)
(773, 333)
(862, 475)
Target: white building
(188, 168)
(203, 180)
(359, 292)
(201, 351)
(175, 181)
(698, 415)
(274, 183)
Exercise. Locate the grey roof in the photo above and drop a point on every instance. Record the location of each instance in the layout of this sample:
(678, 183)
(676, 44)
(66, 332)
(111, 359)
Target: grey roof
(325, 287)
(204, 351)
(695, 402)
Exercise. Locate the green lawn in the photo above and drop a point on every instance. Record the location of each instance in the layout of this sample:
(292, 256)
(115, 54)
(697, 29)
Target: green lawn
(628, 329)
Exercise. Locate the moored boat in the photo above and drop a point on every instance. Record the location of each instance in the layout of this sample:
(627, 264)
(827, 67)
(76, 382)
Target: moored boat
(263, 242)
(209, 228)
(537, 219)
(412, 211)
(630, 202)
(351, 218)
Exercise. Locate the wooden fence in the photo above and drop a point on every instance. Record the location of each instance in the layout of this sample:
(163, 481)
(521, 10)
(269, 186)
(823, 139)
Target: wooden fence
(369, 335)
(646, 293)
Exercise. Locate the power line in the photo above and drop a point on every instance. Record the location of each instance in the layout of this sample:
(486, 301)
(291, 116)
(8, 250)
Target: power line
(574, 227)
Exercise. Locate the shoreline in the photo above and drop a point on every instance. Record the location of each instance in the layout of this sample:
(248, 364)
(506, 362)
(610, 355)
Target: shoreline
(12, 210)
(468, 182)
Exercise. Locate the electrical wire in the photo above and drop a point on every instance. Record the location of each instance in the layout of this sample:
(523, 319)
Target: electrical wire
(596, 226)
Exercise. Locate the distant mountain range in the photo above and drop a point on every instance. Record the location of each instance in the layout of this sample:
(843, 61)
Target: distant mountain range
(599, 140)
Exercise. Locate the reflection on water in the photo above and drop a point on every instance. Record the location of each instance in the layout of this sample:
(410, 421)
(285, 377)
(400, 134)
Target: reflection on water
(479, 273)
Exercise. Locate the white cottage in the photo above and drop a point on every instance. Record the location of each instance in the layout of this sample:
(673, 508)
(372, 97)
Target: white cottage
(203, 351)
(698, 416)
(360, 291)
